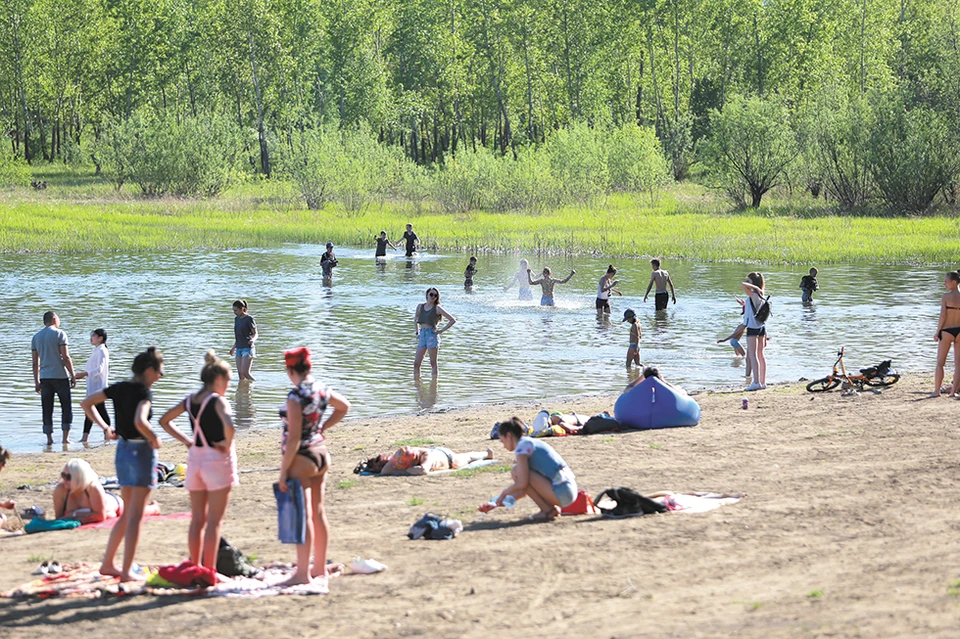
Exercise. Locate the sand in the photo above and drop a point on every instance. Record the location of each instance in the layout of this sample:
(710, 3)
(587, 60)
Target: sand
(848, 530)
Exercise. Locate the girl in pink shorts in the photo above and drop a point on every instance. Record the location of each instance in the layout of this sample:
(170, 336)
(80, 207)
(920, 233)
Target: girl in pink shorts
(211, 458)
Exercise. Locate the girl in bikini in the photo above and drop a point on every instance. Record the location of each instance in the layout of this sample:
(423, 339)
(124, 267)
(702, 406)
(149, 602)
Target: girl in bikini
(305, 456)
(79, 495)
(211, 458)
(948, 333)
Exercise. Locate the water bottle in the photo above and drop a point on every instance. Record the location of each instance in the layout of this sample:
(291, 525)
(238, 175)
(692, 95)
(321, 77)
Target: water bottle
(508, 501)
(744, 403)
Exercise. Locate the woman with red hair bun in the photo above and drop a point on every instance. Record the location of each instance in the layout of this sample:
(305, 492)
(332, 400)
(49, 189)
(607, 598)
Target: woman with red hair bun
(305, 456)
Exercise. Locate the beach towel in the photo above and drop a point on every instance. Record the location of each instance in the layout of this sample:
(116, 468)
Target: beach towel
(82, 581)
(291, 513)
(477, 464)
(108, 524)
(38, 525)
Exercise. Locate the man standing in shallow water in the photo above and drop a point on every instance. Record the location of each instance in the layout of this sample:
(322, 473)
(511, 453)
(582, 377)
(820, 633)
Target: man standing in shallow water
(662, 279)
(53, 374)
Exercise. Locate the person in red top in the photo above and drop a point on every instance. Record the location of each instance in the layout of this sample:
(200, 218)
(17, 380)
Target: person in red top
(305, 457)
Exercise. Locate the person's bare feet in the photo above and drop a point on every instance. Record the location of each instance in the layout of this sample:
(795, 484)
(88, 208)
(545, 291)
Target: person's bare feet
(545, 515)
(489, 453)
(109, 570)
(297, 579)
(332, 570)
(128, 577)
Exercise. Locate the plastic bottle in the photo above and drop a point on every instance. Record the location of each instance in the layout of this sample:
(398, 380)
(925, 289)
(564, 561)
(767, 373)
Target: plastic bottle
(744, 403)
(508, 501)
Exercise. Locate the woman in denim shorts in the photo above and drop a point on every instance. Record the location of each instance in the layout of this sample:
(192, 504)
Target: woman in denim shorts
(426, 320)
(136, 457)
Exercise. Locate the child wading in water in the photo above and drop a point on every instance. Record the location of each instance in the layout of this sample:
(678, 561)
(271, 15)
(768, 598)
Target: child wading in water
(382, 243)
(547, 282)
(633, 351)
(469, 272)
(809, 284)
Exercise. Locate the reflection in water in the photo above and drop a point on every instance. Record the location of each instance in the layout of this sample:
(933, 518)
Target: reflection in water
(632, 375)
(501, 349)
(381, 265)
(244, 410)
(426, 393)
(603, 322)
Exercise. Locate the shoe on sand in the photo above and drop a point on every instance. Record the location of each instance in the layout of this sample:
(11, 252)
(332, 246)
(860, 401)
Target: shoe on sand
(361, 566)
(754, 387)
(42, 569)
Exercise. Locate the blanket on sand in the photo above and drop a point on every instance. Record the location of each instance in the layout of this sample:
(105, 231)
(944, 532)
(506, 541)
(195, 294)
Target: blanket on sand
(82, 581)
(110, 523)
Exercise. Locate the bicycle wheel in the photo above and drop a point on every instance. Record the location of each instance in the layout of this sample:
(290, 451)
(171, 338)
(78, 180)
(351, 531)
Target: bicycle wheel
(884, 380)
(821, 385)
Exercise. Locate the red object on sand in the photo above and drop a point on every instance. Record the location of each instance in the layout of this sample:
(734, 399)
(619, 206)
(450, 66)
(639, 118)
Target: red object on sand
(582, 505)
(189, 575)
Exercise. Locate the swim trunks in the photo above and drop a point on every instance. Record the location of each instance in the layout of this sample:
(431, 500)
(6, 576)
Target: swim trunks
(661, 299)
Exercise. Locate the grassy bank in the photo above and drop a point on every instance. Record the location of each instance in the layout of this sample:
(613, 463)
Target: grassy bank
(81, 214)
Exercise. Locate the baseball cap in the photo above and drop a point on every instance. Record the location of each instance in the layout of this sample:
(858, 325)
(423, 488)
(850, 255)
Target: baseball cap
(627, 314)
(329, 244)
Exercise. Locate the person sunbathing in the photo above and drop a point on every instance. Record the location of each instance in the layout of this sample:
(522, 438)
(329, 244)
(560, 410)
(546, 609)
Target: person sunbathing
(569, 422)
(415, 460)
(11, 504)
(79, 495)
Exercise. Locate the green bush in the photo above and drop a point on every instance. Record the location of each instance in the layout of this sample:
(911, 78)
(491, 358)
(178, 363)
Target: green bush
(525, 183)
(636, 160)
(194, 156)
(837, 149)
(347, 166)
(14, 170)
(751, 146)
(914, 156)
(468, 181)
(578, 161)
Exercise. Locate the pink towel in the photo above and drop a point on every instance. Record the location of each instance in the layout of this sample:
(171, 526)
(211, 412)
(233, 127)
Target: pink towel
(110, 523)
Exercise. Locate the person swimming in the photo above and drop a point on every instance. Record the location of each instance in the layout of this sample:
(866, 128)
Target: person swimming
(470, 272)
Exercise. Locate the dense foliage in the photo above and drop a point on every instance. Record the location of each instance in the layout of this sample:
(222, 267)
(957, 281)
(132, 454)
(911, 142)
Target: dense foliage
(436, 79)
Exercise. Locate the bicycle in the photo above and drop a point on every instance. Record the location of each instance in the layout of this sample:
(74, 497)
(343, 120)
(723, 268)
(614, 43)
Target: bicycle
(879, 376)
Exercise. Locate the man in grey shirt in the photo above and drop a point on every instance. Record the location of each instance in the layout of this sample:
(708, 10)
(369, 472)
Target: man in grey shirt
(53, 374)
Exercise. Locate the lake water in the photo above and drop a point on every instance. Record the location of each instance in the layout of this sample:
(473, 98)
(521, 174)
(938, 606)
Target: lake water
(501, 350)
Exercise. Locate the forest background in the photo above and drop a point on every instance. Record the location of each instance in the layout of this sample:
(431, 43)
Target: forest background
(549, 124)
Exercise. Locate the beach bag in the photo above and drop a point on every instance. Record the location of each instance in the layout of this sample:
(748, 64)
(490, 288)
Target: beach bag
(188, 575)
(602, 423)
(762, 313)
(582, 505)
(291, 513)
(232, 563)
(627, 503)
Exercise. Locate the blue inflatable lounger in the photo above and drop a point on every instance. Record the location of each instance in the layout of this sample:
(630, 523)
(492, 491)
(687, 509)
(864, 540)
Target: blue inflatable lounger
(651, 404)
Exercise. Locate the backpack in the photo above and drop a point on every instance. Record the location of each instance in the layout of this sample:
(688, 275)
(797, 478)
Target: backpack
(582, 505)
(602, 423)
(629, 503)
(763, 312)
(232, 563)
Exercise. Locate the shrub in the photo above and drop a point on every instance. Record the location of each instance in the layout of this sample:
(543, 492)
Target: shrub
(636, 160)
(837, 149)
(525, 183)
(679, 145)
(578, 162)
(163, 156)
(913, 156)
(468, 180)
(751, 146)
(14, 170)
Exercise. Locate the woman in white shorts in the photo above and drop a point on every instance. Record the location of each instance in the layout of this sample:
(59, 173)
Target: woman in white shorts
(211, 460)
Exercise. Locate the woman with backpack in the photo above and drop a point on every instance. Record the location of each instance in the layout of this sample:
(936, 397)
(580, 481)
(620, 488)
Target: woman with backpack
(756, 310)
(539, 473)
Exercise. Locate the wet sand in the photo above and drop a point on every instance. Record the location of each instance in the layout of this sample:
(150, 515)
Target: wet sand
(848, 530)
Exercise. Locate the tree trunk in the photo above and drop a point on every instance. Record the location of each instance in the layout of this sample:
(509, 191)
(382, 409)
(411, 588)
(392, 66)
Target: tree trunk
(755, 195)
(261, 132)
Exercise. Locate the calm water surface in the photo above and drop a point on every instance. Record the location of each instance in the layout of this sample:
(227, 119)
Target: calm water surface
(361, 327)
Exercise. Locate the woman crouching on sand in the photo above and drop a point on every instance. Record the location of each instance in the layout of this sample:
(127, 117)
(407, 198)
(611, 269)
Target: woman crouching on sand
(136, 457)
(305, 456)
(211, 458)
(538, 473)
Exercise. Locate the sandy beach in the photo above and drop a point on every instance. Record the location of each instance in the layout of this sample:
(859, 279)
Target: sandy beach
(847, 530)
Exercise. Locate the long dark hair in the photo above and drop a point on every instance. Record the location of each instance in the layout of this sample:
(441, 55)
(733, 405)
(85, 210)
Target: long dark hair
(150, 358)
(102, 334)
(513, 426)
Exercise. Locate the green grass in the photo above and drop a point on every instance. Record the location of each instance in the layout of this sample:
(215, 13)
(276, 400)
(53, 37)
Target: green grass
(39, 559)
(473, 472)
(656, 446)
(815, 594)
(80, 213)
(413, 441)
(347, 483)
(954, 589)
(416, 501)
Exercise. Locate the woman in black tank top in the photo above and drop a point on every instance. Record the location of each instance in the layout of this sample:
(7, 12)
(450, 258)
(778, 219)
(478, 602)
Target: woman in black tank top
(211, 459)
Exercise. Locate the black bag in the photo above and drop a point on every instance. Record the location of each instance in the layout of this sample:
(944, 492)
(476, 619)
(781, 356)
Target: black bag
(232, 563)
(629, 503)
(602, 423)
(762, 314)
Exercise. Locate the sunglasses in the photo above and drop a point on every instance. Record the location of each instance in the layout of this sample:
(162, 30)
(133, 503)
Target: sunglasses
(65, 476)
(431, 294)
